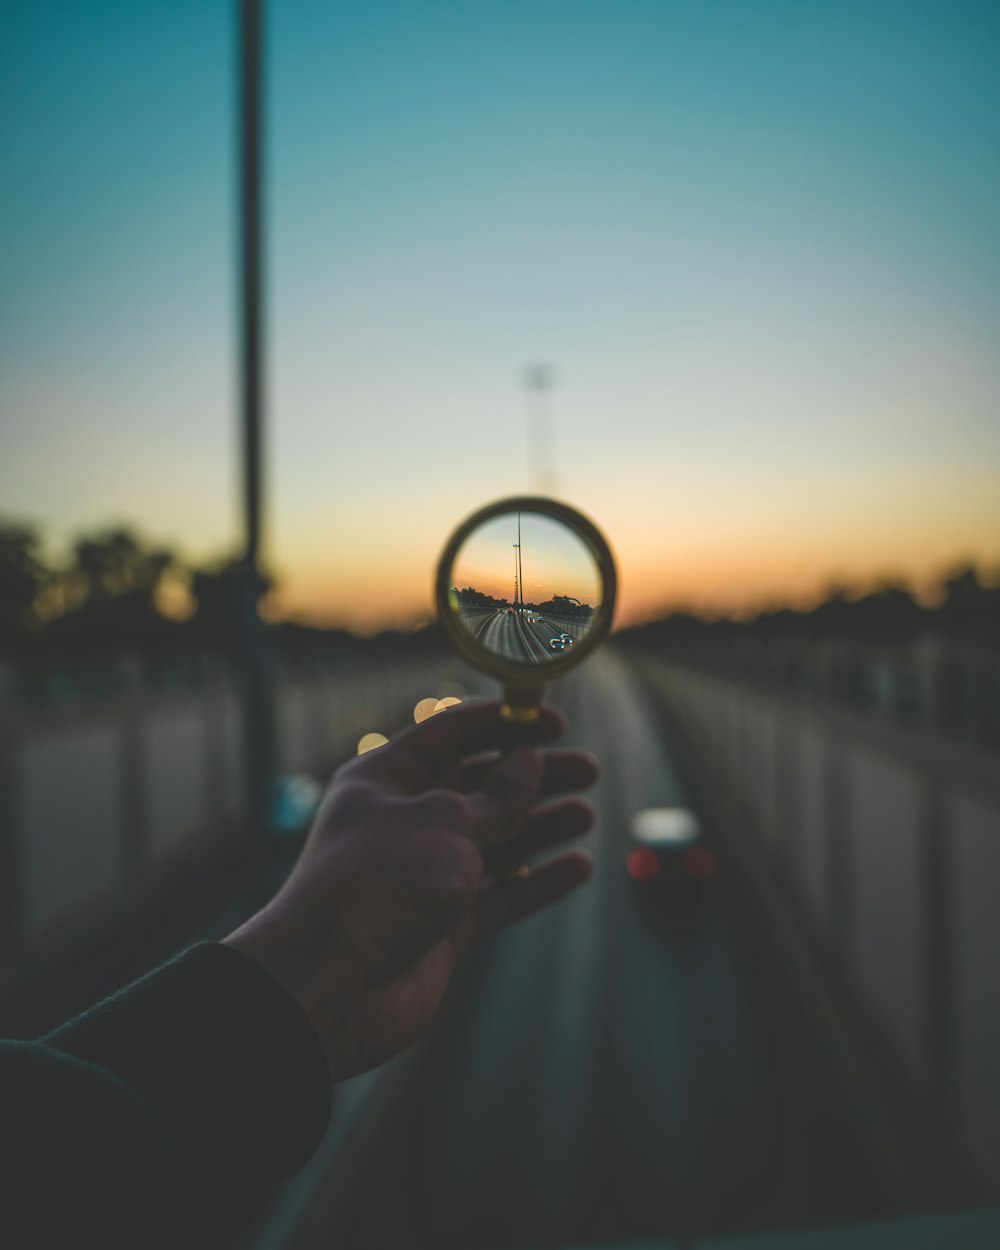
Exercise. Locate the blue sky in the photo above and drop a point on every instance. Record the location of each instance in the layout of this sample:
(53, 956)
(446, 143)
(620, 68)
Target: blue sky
(757, 241)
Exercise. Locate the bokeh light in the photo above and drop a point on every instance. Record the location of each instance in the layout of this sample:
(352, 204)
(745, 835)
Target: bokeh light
(424, 709)
(370, 741)
(642, 864)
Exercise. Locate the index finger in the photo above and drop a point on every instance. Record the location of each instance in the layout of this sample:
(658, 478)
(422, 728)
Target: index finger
(422, 754)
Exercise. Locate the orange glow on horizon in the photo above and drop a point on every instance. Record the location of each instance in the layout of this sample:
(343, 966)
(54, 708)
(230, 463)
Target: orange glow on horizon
(711, 581)
(718, 548)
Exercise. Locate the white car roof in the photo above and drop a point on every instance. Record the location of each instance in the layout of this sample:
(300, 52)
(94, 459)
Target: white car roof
(661, 826)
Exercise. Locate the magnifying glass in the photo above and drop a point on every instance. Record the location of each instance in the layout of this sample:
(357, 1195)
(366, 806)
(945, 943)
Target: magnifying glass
(525, 590)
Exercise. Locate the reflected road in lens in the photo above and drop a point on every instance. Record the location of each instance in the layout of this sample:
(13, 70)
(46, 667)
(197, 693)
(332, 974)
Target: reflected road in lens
(523, 637)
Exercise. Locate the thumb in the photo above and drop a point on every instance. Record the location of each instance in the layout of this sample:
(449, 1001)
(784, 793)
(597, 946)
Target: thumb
(502, 804)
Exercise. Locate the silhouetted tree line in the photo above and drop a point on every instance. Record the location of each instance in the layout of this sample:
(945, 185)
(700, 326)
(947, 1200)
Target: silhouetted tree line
(563, 605)
(111, 593)
(116, 593)
(968, 612)
(558, 605)
(469, 597)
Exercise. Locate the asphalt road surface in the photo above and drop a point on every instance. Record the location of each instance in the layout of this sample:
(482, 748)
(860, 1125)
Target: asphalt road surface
(521, 637)
(599, 1075)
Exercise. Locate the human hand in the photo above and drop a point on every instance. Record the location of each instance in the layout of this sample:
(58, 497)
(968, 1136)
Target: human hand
(407, 865)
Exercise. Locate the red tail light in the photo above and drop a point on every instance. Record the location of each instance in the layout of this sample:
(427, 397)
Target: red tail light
(642, 864)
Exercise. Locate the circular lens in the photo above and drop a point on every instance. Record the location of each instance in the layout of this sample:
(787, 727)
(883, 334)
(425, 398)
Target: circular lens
(526, 587)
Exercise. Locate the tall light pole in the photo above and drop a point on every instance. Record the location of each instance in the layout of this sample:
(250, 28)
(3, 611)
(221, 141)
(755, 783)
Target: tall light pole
(539, 381)
(520, 565)
(258, 705)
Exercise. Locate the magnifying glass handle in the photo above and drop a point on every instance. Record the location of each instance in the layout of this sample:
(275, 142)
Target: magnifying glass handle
(520, 712)
(521, 704)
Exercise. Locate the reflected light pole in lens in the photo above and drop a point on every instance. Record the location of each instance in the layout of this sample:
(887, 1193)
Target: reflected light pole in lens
(520, 566)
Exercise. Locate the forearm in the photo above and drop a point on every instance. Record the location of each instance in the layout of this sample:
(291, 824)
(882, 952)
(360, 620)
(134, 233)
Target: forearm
(305, 951)
(226, 1078)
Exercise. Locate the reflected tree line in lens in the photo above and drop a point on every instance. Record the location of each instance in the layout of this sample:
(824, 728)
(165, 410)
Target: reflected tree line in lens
(556, 605)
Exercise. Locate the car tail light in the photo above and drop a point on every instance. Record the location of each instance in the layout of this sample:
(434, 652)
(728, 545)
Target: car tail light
(642, 864)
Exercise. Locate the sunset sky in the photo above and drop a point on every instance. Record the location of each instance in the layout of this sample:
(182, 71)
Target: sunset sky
(553, 560)
(757, 242)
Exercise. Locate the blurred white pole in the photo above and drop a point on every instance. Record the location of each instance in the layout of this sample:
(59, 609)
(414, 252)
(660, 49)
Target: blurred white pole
(539, 382)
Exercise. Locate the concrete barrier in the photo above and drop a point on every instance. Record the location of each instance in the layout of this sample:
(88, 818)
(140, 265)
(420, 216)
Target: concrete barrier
(100, 794)
(889, 837)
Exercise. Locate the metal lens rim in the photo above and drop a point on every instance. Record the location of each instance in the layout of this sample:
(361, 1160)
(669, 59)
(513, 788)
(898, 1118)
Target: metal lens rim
(527, 675)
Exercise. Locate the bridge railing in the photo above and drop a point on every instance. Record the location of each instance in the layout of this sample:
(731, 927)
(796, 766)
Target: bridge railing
(943, 685)
(101, 796)
(887, 834)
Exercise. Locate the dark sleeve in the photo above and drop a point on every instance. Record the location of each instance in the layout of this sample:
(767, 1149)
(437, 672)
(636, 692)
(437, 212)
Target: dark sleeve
(167, 1114)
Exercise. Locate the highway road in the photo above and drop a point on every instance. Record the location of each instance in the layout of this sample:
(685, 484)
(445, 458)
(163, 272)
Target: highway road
(598, 1075)
(521, 637)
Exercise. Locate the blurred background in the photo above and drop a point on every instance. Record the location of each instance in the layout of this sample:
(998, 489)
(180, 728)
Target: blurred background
(281, 303)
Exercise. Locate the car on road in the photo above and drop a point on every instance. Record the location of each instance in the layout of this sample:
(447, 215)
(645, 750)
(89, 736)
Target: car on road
(558, 644)
(669, 864)
(568, 639)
